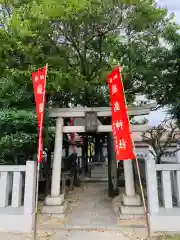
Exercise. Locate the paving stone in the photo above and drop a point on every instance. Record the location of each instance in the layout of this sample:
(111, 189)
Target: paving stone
(89, 235)
(92, 206)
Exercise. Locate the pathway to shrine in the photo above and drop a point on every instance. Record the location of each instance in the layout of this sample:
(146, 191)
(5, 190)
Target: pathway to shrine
(92, 216)
(91, 207)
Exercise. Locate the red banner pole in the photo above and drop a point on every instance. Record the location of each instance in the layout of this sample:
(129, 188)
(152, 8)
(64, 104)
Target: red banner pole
(39, 158)
(137, 166)
(41, 122)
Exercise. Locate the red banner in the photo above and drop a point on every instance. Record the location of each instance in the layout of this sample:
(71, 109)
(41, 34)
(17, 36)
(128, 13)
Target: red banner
(120, 122)
(39, 84)
(73, 136)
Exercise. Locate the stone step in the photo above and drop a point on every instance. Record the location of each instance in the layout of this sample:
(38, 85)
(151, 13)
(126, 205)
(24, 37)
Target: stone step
(91, 227)
(98, 172)
(101, 173)
(94, 180)
(126, 220)
(98, 176)
(131, 217)
(132, 210)
(61, 209)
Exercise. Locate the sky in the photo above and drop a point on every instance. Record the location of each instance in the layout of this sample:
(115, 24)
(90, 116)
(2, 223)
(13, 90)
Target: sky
(173, 6)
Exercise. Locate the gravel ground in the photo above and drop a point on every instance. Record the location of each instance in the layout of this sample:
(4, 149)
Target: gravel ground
(88, 235)
(40, 236)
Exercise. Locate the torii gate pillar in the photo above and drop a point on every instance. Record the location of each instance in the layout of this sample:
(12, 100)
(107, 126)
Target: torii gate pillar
(54, 204)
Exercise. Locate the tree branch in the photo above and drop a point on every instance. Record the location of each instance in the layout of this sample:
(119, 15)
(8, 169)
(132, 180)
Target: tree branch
(97, 65)
(75, 46)
(154, 137)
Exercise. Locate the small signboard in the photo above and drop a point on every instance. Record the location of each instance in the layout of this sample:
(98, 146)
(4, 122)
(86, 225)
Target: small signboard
(91, 123)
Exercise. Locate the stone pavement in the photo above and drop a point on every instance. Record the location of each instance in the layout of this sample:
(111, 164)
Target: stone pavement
(107, 235)
(89, 235)
(90, 206)
(122, 234)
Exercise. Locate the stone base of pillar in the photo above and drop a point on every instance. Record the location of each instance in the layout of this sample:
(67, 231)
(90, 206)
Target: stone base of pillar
(130, 212)
(132, 201)
(131, 207)
(53, 201)
(55, 206)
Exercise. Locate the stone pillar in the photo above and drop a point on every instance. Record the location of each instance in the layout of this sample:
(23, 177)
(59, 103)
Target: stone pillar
(4, 186)
(56, 171)
(54, 204)
(30, 186)
(130, 197)
(17, 190)
(151, 184)
(177, 179)
(129, 179)
(178, 152)
(131, 203)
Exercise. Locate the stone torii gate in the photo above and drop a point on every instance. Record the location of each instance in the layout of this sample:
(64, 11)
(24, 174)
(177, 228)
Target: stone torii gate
(54, 203)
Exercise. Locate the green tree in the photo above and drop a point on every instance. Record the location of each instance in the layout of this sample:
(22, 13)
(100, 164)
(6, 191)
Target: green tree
(164, 88)
(81, 41)
(172, 93)
(18, 135)
(166, 84)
